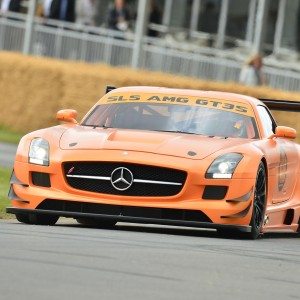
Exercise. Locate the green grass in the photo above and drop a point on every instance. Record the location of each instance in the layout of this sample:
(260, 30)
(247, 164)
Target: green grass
(9, 136)
(4, 186)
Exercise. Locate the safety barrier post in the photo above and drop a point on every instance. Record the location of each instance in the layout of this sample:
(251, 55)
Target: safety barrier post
(29, 26)
(140, 29)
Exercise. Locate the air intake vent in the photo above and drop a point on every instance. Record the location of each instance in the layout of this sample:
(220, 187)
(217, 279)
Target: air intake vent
(214, 192)
(289, 217)
(40, 179)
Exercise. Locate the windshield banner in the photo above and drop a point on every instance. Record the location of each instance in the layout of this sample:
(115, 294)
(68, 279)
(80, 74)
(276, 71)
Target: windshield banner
(227, 105)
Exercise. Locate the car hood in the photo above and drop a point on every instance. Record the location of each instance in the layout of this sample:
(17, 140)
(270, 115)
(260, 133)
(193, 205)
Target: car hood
(173, 144)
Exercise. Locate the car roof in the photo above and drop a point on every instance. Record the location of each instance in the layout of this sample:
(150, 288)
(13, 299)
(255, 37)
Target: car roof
(187, 92)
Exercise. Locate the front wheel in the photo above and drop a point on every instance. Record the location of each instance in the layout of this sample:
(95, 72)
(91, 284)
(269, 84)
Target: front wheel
(23, 218)
(259, 204)
(258, 212)
(36, 219)
(43, 219)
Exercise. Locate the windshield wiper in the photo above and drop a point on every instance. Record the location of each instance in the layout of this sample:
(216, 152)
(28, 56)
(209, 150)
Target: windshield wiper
(171, 131)
(177, 131)
(98, 126)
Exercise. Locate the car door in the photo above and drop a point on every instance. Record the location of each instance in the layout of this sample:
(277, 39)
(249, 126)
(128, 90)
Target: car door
(281, 154)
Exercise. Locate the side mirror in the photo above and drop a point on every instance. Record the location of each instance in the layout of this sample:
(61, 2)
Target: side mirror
(67, 115)
(285, 132)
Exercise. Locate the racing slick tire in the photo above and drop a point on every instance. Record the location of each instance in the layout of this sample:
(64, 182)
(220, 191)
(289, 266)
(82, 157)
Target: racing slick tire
(259, 203)
(96, 222)
(258, 211)
(23, 218)
(36, 219)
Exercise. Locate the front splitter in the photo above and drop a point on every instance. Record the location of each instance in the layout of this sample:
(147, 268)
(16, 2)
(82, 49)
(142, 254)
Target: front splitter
(129, 219)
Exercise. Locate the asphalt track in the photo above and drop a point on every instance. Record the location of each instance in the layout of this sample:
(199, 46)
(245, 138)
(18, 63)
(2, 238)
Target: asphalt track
(70, 261)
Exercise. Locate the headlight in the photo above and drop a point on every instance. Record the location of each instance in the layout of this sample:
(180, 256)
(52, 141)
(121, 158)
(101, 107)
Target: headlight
(39, 152)
(224, 166)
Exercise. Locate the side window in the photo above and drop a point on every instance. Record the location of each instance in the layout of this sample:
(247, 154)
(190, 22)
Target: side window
(267, 120)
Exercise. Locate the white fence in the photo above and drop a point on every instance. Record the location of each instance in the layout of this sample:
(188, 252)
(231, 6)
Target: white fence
(69, 41)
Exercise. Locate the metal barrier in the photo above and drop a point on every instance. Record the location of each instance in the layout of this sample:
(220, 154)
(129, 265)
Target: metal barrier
(66, 43)
(92, 44)
(189, 64)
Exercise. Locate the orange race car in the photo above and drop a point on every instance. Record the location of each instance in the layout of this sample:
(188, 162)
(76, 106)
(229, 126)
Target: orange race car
(163, 156)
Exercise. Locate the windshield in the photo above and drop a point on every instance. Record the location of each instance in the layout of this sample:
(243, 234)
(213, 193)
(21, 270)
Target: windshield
(173, 118)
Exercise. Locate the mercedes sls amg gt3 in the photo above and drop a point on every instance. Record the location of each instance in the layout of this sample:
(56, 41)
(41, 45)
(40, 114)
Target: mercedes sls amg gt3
(163, 156)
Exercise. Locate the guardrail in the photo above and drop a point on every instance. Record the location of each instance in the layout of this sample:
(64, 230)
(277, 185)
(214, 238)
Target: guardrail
(93, 44)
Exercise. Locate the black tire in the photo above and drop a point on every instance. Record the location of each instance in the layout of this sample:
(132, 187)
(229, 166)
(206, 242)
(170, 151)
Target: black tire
(37, 219)
(259, 204)
(99, 223)
(258, 212)
(23, 218)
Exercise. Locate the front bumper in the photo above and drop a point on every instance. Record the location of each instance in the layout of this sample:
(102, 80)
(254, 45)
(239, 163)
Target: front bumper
(28, 196)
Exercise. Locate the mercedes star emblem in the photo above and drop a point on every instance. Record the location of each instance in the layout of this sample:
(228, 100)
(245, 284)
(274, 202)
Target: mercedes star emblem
(121, 179)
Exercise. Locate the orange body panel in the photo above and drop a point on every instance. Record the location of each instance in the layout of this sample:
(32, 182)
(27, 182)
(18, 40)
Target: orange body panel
(75, 143)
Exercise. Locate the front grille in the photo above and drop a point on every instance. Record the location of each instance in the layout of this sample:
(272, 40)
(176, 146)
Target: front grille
(126, 211)
(173, 180)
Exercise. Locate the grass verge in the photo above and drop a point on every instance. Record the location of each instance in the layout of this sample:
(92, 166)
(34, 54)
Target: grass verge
(9, 136)
(4, 185)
